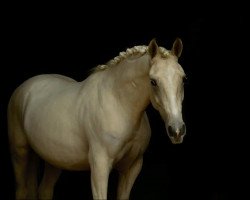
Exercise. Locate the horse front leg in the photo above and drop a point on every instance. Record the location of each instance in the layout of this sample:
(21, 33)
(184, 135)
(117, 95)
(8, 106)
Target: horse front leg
(100, 165)
(127, 178)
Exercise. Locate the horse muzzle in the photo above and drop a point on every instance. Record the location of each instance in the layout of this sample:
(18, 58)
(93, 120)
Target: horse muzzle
(176, 134)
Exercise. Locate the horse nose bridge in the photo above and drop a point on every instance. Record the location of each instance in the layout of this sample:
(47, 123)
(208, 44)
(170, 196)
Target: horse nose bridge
(176, 120)
(172, 107)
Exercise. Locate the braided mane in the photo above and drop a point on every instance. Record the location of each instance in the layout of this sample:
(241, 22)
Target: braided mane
(136, 50)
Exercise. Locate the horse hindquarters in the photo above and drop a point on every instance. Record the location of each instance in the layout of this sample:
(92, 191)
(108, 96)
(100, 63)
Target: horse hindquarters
(23, 158)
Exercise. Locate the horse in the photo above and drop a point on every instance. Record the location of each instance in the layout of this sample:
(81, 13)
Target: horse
(98, 124)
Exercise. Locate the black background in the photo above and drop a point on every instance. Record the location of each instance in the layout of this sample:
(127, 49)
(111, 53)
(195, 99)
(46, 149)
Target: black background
(67, 40)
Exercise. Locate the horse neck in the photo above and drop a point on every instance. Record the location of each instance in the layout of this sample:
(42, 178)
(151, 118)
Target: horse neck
(131, 84)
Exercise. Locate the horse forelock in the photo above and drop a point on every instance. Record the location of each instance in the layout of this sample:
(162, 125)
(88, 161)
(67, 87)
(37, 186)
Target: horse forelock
(136, 50)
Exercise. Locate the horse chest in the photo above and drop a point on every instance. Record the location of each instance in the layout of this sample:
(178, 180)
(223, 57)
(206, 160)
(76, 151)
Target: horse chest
(124, 148)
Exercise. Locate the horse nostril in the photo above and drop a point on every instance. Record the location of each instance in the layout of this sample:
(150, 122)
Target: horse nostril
(171, 131)
(183, 129)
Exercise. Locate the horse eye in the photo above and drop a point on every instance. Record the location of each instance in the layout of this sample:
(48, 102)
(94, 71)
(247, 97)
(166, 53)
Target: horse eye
(153, 82)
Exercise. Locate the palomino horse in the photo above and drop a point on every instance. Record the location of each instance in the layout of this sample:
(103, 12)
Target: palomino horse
(97, 124)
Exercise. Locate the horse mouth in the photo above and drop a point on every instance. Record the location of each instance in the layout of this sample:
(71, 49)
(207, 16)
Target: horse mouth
(176, 140)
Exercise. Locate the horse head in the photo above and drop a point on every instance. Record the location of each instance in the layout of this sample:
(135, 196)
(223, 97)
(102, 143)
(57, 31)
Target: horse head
(167, 92)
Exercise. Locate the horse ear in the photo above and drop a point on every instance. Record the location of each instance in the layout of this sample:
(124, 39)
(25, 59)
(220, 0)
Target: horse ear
(152, 48)
(177, 47)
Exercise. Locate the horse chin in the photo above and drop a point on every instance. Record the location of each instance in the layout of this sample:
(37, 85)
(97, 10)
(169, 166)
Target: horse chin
(175, 140)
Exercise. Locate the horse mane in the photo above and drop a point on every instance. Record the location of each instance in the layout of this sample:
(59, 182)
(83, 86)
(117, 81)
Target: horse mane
(136, 50)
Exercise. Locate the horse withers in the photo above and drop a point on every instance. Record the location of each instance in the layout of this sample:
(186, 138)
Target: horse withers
(98, 124)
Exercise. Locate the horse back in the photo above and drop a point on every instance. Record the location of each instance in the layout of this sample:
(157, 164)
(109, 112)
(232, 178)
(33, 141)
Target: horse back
(36, 86)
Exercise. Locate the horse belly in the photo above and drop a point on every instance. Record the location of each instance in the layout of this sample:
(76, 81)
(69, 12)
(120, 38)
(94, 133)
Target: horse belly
(57, 139)
(65, 154)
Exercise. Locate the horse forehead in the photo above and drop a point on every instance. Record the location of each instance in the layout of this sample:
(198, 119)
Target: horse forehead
(165, 66)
